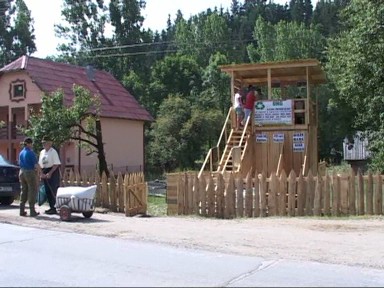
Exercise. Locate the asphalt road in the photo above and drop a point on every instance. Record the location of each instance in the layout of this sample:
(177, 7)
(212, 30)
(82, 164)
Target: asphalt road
(42, 258)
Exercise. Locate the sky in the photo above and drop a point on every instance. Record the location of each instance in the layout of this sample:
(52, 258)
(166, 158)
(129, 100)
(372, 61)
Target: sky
(46, 13)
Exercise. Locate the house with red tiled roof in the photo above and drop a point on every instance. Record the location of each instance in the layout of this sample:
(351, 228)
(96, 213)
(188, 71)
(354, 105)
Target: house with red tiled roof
(22, 84)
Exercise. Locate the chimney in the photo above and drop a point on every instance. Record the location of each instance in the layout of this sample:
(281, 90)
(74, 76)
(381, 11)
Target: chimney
(90, 72)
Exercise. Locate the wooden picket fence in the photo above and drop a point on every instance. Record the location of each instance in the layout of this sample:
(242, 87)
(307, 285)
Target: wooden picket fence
(126, 194)
(329, 195)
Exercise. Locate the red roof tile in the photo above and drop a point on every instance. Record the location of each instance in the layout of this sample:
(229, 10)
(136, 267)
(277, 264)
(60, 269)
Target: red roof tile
(116, 101)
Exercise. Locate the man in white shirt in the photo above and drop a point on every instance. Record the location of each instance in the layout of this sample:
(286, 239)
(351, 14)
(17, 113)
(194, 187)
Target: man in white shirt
(49, 162)
(238, 106)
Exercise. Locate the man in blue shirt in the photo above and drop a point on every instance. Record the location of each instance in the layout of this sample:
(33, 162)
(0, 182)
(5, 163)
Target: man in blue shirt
(28, 178)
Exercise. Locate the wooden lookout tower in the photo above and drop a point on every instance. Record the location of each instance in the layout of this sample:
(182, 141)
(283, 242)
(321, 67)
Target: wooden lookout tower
(281, 132)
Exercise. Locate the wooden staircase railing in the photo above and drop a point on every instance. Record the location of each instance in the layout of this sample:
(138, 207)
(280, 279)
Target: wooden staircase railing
(216, 150)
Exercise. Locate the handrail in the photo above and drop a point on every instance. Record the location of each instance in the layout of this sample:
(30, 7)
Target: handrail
(305, 164)
(209, 154)
(225, 151)
(280, 162)
(244, 131)
(224, 126)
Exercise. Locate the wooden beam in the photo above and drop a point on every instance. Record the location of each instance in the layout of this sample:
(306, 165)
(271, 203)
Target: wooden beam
(269, 65)
(269, 85)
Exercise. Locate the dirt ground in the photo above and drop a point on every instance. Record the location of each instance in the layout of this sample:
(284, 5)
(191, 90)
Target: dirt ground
(350, 241)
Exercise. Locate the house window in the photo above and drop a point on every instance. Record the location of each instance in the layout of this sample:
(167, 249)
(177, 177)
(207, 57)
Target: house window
(17, 90)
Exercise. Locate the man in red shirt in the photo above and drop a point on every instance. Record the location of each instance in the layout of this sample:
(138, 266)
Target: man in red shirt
(249, 102)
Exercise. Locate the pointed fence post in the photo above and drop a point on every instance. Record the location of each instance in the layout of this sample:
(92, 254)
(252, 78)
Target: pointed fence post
(181, 193)
(249, 196)
(352, 193)
(120, 192)
(272, 194)
(196, 195)
(256, 187)
(291, 193)
(263, 195)
(327, 195)
(344, 194)
(112, 189)
(370, 194)
(310, 195)
(104, 191)
(335, 194)
(239, 196)
(300, 195)
(360, 193)
(230, 198)
(126, 195)
(318, 193)
(71, 180)
(378, 197)
(211, 197)
(84, 179)
(282, 194)
(190, 203)
(64, 181)
(220, 189)
(203, 196)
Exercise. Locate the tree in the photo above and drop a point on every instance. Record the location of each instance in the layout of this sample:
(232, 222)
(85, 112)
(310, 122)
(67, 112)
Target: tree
(285, 41)
(356, 65)
(84, 30)
(175, 74)
(16, 31)
(182, 134)
(301, 11)
(216, 86)
(326, 16)
(202, 36)
(79, 121)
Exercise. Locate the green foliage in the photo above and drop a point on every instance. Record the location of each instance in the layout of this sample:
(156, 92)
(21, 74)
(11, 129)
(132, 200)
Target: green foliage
(356, 65)
(175, 74)
(59, 121)
(62, 122)
(16, 31)
(203, 36)
(178, 135)
(285, 41)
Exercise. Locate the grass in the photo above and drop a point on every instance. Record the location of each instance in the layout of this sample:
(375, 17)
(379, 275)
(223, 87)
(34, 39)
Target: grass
(157, 205)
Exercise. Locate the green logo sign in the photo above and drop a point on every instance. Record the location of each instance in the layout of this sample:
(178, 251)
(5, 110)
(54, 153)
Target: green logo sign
(260, 106)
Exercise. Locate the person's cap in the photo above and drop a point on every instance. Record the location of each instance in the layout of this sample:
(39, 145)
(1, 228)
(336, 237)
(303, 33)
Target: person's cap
(46, 139)
(28, 140)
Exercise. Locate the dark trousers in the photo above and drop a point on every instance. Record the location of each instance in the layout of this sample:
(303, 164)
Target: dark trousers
(28, 181)
(51, 185)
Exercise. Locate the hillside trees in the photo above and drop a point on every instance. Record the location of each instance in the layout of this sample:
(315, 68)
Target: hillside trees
(181, 62)
(16, 31)
(356, 65)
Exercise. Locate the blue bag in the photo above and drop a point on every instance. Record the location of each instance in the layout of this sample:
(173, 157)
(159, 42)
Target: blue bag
(41, 197)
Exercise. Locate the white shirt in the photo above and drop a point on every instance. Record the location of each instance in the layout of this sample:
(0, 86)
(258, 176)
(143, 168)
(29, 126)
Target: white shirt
(49, 158)
(238, 102)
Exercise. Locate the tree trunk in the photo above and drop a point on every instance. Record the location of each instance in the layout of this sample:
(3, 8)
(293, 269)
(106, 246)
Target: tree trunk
(103, 167)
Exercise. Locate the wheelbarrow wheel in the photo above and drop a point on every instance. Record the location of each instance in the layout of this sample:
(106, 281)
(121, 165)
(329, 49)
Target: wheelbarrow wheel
(65, 213)
(88, 214)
